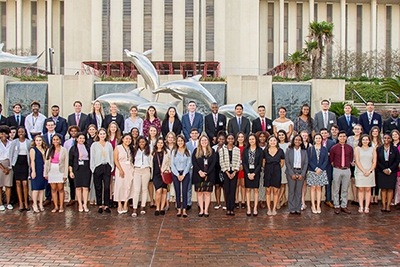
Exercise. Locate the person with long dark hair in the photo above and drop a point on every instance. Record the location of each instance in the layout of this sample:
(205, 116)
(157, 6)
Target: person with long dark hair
(151, 119)
(240, 143)
(171, 123)
(134, 134)
(304, 122)
(283, 144)
(38, 182)
(6, 174)
(56, 171)
(283, 123)
(79, 170)
(219, 179)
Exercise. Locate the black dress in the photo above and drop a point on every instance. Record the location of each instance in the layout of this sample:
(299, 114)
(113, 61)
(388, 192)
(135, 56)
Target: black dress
(157, 179)
(82, 173)
(252, 163)
(384, 181)
(272, 168)
(202, 184)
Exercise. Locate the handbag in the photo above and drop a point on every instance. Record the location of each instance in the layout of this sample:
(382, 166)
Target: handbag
(166, 176)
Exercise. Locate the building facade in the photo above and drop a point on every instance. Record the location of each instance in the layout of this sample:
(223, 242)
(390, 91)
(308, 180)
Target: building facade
(247, 37)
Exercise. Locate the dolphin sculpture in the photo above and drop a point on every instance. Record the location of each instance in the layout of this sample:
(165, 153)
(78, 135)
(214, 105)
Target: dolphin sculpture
(8, 60)
(145, 67)
(248, 111)
(161, 108)
(187, 88)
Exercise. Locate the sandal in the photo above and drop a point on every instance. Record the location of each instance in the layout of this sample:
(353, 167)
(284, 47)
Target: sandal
(134, 214)
(54, 210)
(366, 210)
(360, 210)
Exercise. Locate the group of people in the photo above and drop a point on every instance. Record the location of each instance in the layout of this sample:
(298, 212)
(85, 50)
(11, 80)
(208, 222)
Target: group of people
(109, 159)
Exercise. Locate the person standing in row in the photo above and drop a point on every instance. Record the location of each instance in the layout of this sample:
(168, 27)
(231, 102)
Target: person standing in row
(347, 122)
(101, 165)
(114, 117)
(262, 123)
(38, 183)
(341, 156)
(214, 123)
(393, 122)
(283, 144)
(191, 120)
(219, 178)
(370, 118)
(204, 160)
(283, 123)
(78, 118)
(252, 159)
(241, 143)
(171, 123)
(56, 171)
(304, 122)
(34, 122)
(79, 170)
(181, 163)
(239, 123)
(96, 117)
(133, 121)
(354, 141)
(324, 118)
(262, 138)
(6, 174)
(296, 161)
(229, 159)
(16, 119)
(365, 159)
(328, 144)
(20, 162)
(123, 159)
(151, 120)
(60, 123)
(191, 145)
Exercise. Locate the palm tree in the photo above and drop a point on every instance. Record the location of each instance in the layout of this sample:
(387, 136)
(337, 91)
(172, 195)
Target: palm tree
(391, 85)
(312, 53)
(297, 60)
(320, 32)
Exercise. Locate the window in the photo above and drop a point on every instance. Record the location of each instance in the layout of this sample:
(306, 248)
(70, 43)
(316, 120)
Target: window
(189, 30)
(106, 30)
(168, 28)
(299, 28)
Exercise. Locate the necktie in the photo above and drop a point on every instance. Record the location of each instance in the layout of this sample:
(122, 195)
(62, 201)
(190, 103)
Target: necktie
(51, 137)
(191, 119)
(73, 141)
(215, 120)
(194, 144)
(18, 120)
(348, 120)
(239, 123)
(263, 125)
(77, 119)
(370, 117)
(343, 157)
(326, 119)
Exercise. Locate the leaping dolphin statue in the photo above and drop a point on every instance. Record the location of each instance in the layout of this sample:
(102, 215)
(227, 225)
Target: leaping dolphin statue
(188, 88)
(248, 111)
(8, 60)
(145, 68)
(161, 108)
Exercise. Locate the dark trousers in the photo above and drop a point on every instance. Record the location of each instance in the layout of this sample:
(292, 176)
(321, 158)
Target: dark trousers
(294, 195)
(328, 187)
(14, 195)
(101, 180)
(230, 190)
(71, 188)
(177, 187)
(48, 191)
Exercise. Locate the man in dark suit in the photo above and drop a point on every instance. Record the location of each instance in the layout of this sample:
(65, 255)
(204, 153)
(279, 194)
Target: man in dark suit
(3, 120)
(214, 123)
(370, 118)
(239, 123)
(324, 118)
(392, 123)
(328, 143)
(78, 118)
(191, 120)
(262, 123)
(61, 123)
(347, 121)
(17, 119)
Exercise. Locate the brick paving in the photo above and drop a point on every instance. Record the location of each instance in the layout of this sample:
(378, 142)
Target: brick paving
(92, 239)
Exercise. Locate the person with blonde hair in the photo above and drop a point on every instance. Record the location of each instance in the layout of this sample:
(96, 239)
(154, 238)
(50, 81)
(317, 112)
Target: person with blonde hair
(96, 117)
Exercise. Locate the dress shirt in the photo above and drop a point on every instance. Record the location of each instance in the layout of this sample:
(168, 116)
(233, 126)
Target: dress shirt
(297, 158)
(336, 155)
(129, 124)
(180, 162)
(69, 143)
(141, 160)
(34, 124)
(4, 150)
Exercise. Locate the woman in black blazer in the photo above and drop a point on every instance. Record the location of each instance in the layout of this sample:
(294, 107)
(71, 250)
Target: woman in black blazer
(96, 117)
(252, 159)
(171, 123)
(386, 170)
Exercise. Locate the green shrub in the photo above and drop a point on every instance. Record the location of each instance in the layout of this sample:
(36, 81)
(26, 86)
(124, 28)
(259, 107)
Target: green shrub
(338, 109)
(369, 91)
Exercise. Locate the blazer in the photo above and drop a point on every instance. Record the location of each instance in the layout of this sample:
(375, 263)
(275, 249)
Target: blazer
(393, 162)
(289, 161)
(319, 120)
(62, 165)
(74, 156)
(197, 123)
(165, 163)
(11, 121)
(91, 119)
(313, 162)
(343, 125)
(61, 126)
(119, 119)
(244, 126)
(224, 159)
(3, 120)
(257, 164)
(209, 125)
(190, 146)
(82, 121)
(198, 165)
(176, 127)
(376, 121)
(14, 150)
(389, 125)
(256, 126)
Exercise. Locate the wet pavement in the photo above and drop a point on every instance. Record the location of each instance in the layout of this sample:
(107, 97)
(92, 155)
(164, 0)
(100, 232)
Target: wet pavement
(92, 239)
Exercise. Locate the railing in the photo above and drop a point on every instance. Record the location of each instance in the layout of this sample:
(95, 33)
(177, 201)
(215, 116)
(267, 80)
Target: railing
(359, 96)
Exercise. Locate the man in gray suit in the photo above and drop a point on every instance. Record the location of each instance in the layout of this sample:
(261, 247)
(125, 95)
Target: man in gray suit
(324, 118)
(239, 123)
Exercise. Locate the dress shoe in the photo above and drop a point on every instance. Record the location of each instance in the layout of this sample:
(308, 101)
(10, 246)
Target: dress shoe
(337, 210)
(329, 204)
(71, 202)
(189, 207)
(46, 203)
(346, 210)
(355, 203)
(162, 212)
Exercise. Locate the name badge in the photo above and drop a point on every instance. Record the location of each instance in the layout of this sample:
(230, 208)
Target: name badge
(353, 124)
(251, 166)
(220, 123)
(81, 162)
(392, 122)
(375, 122)
(205, 161)
(331, 121)
(269, 127)
(230, 165)
(127, 162)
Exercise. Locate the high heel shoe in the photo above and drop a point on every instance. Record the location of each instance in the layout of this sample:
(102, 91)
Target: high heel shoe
(35, 209)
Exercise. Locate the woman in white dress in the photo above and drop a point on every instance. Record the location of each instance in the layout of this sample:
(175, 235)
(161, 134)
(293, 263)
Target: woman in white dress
(365, 158)
(283, 123)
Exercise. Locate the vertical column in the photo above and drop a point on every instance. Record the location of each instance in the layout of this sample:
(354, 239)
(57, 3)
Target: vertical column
(178, 32)
(49, 27)
(282, 31)
(311, 10)
(116, 48)
(342, 24)
(96, 30)
(373, 25)
(56, 45)
(11, 26)
(292, 27)
(19, 28)
(395, 27)
(263, 41)
(277, 34)
(27, 26)
(41, 33)
(158, 30)
(137, 26)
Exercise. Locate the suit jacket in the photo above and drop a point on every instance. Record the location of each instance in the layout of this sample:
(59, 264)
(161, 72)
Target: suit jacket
(389, 125)
(256, 126)
(198, 165)
(74, 156)
(82, 121)
(376, 121)
(209, 125)
(313, 162)
(392, 163)
(190, 146)
(197, 123)
(319, 120)
(257, 164)
(343, 125)
(62, 165)
(91, 119)
(176, 127)
(224, 159)
(48, 141)
(3, 120)
(244, 126)
(11, 121)
(61, 126)
(289, 161)
(119, 119)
